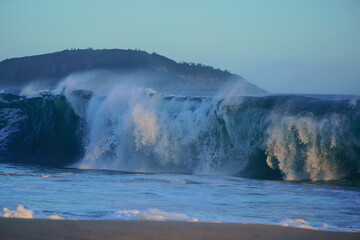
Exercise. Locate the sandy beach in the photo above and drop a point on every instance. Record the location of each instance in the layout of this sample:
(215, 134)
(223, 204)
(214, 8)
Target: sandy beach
(88, 229)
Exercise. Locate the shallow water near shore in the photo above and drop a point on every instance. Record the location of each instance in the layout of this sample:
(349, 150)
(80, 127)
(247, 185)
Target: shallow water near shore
(104, 194)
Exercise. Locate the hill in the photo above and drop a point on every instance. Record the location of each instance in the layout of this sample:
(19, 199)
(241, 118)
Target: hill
(164, 72)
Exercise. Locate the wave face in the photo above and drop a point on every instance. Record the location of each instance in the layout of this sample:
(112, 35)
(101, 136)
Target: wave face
(134, 129)
(41, 130)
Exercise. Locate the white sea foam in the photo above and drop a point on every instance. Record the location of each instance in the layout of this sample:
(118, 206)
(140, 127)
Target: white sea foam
(20, 212)
(299, 223)
(152, 214)
(55, 217)
(130, 128)
(304, 147)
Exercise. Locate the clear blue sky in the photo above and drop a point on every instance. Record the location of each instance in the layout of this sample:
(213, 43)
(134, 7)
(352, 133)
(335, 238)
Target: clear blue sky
(298, 46)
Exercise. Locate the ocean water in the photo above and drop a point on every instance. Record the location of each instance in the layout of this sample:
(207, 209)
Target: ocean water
(116, 151)
(104, 194)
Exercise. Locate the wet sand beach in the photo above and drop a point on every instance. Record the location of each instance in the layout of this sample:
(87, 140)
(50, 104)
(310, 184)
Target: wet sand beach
(39, 229)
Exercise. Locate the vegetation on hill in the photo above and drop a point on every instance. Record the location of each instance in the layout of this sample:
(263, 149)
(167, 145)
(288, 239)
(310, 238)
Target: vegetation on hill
(54, 66)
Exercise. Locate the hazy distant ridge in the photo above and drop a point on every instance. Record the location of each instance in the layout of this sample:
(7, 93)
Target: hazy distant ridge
(54, 66)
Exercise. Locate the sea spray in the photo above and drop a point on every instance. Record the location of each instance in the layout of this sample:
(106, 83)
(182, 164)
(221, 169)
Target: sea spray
(122, 126)
(136, 129)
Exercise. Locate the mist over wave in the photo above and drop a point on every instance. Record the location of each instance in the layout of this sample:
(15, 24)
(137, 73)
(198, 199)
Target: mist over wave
(88, 123)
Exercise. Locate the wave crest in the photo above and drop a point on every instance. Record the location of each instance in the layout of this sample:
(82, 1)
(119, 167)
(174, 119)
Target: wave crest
(133, 129)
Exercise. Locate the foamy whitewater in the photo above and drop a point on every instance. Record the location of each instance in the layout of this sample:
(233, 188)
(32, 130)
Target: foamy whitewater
(110, 150)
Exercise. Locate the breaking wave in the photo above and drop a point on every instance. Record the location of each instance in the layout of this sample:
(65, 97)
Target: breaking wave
(40, 130)
(133, 129)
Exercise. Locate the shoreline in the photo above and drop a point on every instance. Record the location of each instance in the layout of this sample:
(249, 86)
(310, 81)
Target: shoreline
(16, 228)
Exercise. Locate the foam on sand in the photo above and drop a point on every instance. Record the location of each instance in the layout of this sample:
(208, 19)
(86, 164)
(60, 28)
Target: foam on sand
(154, 230)
(55, 217)
(20, 212)
(299, 223)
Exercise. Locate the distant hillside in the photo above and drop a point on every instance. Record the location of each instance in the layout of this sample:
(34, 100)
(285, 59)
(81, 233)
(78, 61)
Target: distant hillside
(168, 74)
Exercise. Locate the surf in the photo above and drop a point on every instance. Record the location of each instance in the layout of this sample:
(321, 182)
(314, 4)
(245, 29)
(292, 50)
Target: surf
(122, 126)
